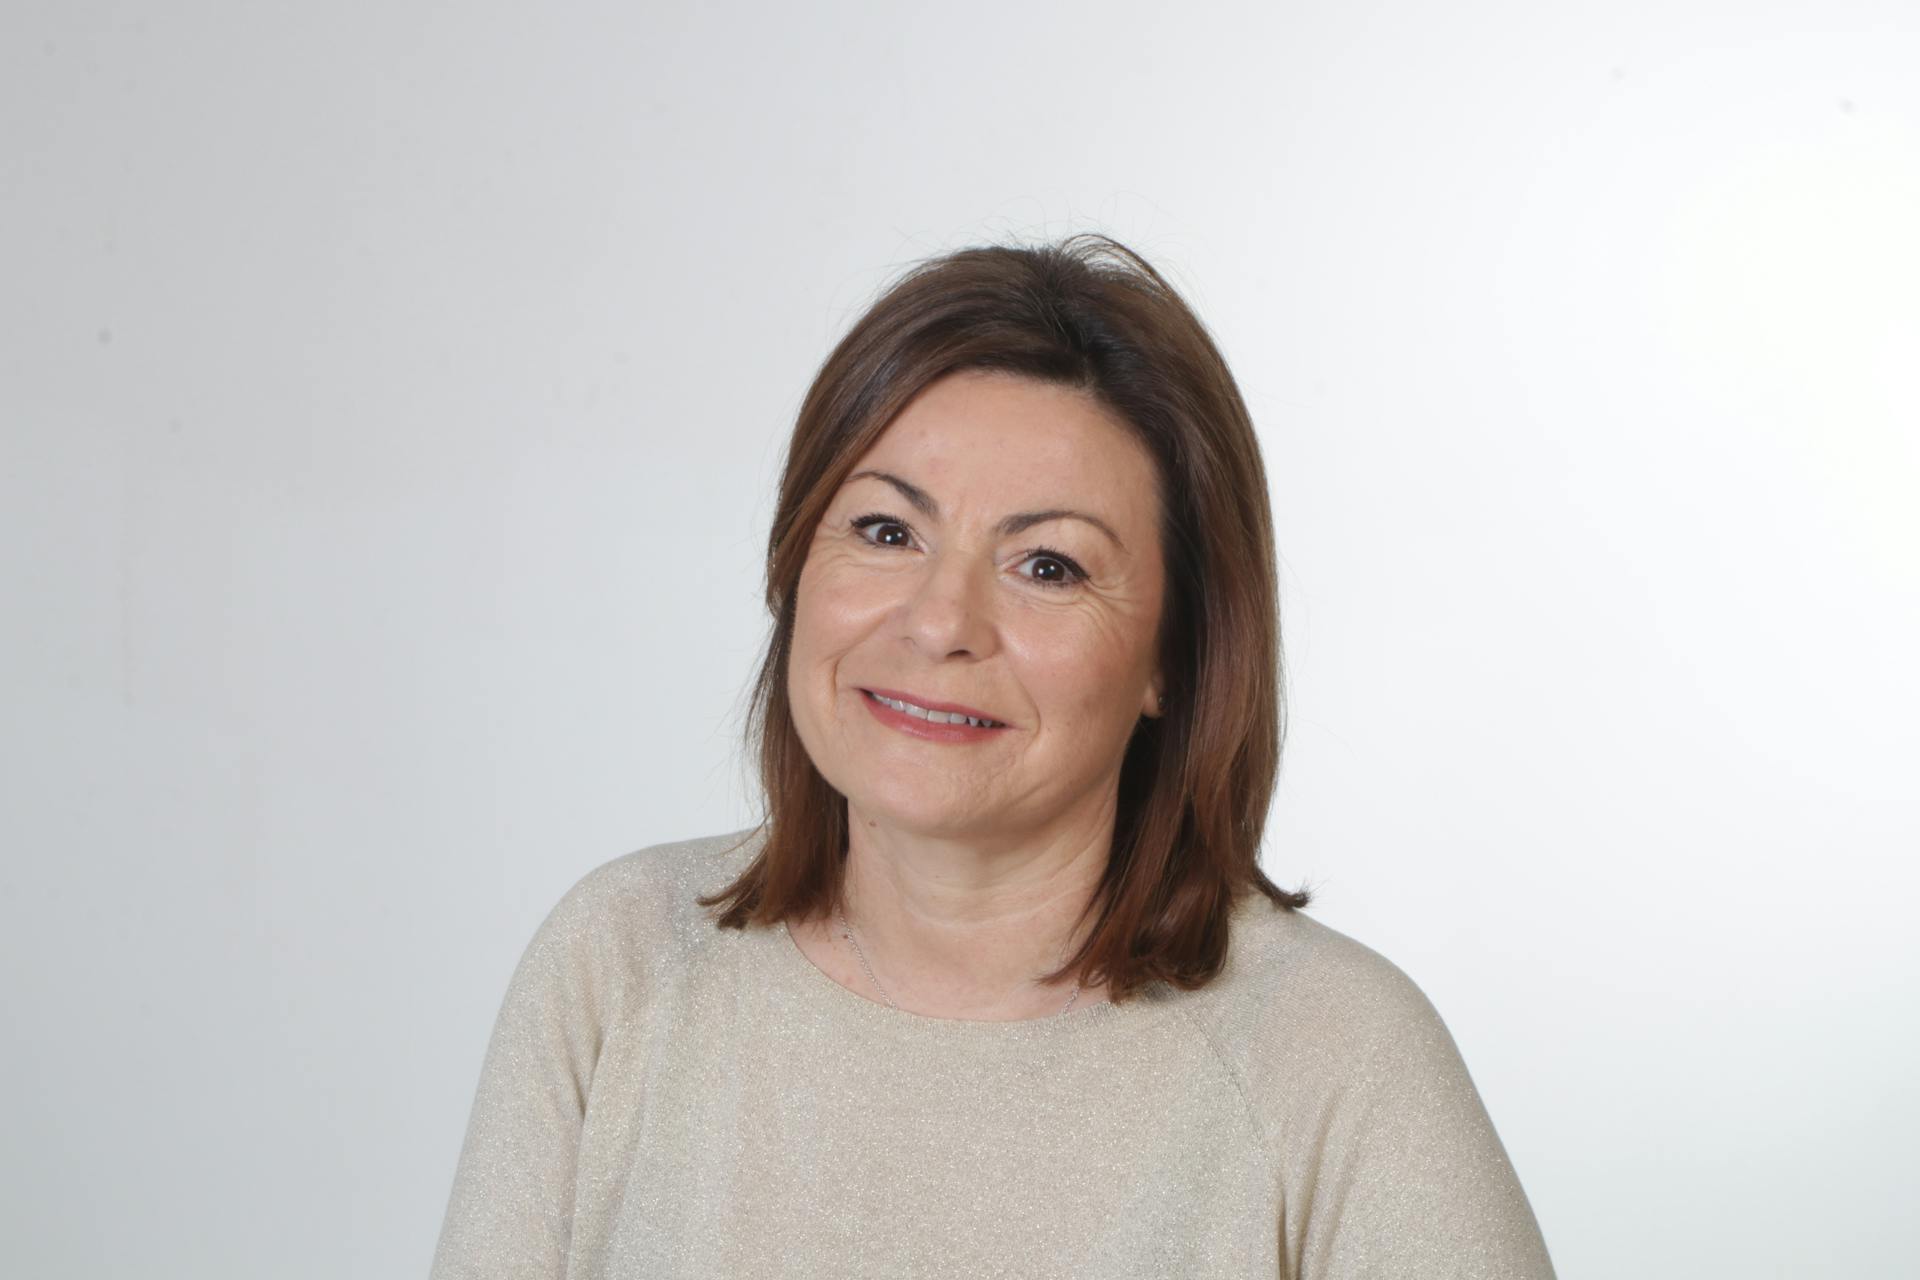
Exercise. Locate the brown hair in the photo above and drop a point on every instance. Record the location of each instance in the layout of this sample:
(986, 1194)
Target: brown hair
(1196, 781)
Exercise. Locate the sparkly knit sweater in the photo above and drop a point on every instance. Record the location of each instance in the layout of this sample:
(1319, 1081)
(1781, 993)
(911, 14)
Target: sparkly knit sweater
(665, 1098)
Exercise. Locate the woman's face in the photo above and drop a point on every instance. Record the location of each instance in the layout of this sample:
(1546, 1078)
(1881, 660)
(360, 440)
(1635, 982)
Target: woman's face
(997, 551)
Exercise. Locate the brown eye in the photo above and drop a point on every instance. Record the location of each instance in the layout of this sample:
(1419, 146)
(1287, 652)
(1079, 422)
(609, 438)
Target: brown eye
(883, 531)
(1050, 569)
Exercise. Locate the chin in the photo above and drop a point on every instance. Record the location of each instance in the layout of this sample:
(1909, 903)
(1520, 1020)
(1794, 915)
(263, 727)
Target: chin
(912, 810)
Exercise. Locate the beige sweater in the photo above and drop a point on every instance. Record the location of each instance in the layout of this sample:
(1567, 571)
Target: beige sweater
(663, 1098)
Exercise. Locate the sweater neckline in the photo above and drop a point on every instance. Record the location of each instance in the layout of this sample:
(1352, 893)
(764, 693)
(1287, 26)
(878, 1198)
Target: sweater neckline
(807, 982)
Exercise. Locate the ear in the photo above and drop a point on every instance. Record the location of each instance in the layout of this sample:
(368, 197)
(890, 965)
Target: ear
(1154, 704)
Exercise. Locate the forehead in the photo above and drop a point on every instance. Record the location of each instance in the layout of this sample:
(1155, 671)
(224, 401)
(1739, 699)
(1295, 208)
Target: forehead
(992, 435)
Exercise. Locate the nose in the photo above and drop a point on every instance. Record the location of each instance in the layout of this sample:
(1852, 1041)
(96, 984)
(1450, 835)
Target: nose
(949, 614)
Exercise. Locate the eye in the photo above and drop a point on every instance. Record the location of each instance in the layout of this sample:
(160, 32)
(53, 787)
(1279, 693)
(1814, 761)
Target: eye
(1051, 569)
(883, 530)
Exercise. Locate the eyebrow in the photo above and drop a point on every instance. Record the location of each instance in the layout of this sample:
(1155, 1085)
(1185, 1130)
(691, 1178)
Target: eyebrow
(923, 502)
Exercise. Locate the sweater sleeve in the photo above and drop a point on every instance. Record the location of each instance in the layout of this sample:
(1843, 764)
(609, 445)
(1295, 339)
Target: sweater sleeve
(1395, 1170)
(511, 1208)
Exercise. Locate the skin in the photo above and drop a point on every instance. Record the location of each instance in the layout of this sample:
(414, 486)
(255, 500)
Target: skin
(967, 863)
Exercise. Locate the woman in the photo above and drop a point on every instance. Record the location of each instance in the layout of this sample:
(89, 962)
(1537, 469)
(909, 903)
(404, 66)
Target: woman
(998, 988)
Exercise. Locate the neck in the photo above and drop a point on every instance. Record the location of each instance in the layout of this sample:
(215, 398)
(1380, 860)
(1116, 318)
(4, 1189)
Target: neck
(965, 927)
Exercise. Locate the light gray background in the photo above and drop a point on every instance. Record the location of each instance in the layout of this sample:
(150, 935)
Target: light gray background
(392, 396)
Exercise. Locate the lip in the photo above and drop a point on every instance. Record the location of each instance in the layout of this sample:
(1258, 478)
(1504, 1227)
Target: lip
(949, 707)
(926, 730)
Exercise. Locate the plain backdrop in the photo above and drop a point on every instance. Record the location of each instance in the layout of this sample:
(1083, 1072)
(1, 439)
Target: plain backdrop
(392, 398)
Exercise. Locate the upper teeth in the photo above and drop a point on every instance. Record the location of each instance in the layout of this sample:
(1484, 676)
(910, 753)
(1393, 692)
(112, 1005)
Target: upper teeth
(937, 717)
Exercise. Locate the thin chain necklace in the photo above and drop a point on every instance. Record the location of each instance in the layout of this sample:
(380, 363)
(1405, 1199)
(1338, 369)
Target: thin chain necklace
(846, 931)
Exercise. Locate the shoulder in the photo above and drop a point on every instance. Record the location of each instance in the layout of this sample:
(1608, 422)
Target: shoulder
(641, 909)
(664, 878)
(1303, 1013)
(1385, 1156)
(1286, 971)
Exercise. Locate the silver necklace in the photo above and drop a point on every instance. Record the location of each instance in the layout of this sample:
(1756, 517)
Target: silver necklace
(846, 931)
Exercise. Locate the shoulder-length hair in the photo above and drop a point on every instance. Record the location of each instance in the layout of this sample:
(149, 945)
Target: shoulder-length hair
(1196, 781)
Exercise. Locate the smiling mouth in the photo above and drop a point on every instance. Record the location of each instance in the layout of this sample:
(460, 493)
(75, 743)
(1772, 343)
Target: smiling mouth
(930, 716)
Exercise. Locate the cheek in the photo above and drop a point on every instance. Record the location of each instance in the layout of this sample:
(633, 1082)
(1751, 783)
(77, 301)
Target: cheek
(1085, 672)
(814, 638)
(810, 667)
(831, 614)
